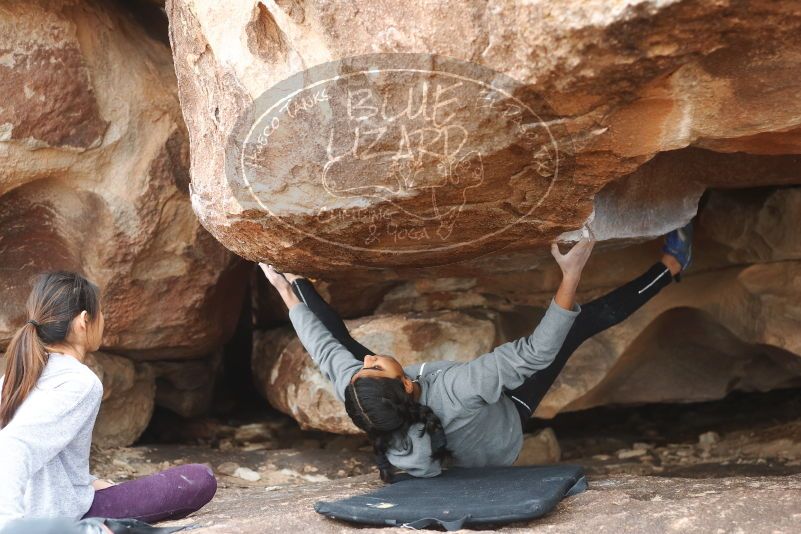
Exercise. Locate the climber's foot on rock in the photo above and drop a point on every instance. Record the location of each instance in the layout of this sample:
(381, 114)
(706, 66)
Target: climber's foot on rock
(678, 249)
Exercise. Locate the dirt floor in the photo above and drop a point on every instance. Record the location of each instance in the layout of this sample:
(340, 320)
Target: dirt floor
(729, 466)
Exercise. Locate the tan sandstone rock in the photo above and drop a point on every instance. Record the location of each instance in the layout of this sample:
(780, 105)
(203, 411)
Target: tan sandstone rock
(732, 324)
(620, 114)
(94, 178)
(187, 387)
(540, 448)
(129, 392)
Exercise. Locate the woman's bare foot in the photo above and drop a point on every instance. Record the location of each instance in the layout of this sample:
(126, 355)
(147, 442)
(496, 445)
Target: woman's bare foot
(672, 264)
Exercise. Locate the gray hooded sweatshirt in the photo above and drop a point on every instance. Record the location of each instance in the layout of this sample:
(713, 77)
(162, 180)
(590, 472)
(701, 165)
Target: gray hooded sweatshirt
(481, 423)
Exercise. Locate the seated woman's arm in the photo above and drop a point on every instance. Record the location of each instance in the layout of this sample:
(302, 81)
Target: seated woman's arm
(484, 379)
(44, 424)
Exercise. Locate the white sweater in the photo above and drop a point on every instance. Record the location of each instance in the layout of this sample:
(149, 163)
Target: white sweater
(44, 450)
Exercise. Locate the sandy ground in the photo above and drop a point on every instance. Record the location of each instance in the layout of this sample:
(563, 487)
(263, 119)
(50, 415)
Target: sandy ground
(719, 469)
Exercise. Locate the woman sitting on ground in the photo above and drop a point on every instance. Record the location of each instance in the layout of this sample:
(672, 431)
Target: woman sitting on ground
(49, 401)
(472, 412)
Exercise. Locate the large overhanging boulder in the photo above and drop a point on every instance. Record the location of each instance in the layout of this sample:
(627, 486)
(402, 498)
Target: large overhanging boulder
(558, 105)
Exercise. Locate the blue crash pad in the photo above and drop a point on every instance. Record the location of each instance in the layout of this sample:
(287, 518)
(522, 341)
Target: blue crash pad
(462, 497)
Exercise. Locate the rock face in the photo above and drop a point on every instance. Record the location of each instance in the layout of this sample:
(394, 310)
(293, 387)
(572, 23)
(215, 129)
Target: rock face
(358, 165)
(129, 392)
(731, 325)
(94, 178)
(187, 387)
(676, 349)
(326, 143)
(419, 175)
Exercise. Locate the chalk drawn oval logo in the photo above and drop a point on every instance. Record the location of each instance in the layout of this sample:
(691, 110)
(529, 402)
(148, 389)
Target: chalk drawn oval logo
(398, 154)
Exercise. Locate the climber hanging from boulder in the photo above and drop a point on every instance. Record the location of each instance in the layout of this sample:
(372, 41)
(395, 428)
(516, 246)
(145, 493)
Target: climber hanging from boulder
(471, 414)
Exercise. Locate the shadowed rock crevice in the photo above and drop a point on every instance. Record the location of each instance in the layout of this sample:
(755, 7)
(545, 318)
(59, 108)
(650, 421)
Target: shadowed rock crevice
(265, 38)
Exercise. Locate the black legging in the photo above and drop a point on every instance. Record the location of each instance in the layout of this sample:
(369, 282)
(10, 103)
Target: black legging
(328, 316)
(596, 316)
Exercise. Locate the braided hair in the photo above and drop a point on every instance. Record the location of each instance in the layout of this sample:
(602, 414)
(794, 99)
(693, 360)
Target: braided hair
(382, 408)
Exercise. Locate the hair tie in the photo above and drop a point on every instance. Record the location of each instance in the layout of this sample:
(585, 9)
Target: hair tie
(359, 404)
(34, 323)
(420, 374)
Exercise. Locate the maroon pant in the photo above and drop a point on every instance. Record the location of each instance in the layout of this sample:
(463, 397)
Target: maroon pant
(171, 494)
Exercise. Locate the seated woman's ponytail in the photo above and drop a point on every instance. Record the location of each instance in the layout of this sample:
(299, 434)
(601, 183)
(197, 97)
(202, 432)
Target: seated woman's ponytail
(382, 408)
(56, 299)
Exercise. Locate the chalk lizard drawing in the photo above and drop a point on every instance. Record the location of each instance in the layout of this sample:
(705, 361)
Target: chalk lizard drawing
(396, 175)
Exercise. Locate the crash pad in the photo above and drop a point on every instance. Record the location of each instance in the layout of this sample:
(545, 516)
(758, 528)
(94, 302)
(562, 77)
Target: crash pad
(461, 497)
